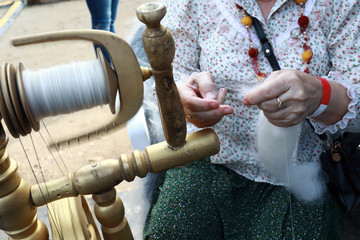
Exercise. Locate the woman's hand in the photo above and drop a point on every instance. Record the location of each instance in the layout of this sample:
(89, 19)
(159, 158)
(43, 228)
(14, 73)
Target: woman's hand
(202, 105)
(287, 97)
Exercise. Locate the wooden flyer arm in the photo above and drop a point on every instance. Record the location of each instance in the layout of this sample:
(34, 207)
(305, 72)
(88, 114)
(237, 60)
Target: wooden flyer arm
(126, 67)
(126, 77)
(102, 176)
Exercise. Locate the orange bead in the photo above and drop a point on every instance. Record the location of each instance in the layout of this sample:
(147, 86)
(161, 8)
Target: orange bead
(300, 1)
(306, 56)
(247, 21)
(261, 76)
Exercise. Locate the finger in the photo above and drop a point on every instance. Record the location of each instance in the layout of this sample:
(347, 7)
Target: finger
(195, 104)
(192, 102)
(284, 106)
(283, 118)
(205, 83)
(275, 104)
(219, 112)
(199, 86)
(209, 118)
(221, 96)
(272, 88)
(209, 123)
(301, 101)
(284, 123)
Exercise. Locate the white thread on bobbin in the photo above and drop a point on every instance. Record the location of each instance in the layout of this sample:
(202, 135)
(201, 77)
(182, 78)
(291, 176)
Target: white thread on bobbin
(65, 88)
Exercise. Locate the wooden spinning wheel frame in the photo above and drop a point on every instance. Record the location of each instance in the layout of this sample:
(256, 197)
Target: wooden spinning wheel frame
(69, 213)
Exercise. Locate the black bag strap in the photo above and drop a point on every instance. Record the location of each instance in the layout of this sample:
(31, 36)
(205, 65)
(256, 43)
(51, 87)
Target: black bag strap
(266, 45)
(269, 54)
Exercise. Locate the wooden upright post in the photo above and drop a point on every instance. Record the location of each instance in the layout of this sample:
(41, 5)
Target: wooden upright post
(110, 212)
(160, 49)
(18, 217)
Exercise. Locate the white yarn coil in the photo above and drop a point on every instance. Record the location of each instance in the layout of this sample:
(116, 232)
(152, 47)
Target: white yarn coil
(65, 88)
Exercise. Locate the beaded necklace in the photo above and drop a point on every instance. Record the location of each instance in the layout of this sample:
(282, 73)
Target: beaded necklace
(253, 52)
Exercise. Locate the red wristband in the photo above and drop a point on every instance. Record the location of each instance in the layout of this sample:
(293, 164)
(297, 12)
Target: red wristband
(326, 94)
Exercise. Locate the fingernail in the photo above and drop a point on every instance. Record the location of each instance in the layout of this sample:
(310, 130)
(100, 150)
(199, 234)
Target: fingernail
(210, 95)
(214, 105)
(245, 101)
(227, 111)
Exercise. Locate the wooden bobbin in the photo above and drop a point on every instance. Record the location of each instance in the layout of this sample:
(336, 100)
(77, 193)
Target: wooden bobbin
(125, 77)
(14, 110)
(14, 106)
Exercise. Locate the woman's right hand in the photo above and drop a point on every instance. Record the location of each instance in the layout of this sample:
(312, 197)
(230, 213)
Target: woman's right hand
(203, 106)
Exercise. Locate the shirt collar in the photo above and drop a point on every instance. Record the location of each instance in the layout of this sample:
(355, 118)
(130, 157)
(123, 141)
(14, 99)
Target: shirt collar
(253, 9)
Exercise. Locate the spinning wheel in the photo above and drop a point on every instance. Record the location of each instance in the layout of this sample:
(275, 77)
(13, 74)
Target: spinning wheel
(64, 196)
(72, 219)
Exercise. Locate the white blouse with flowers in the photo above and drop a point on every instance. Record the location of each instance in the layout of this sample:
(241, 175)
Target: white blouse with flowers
(209, 37)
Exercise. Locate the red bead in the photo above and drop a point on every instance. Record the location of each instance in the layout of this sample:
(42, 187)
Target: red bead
(307, 47)
(303, 21)
(253, 52)
(238, 6)
(254, 63)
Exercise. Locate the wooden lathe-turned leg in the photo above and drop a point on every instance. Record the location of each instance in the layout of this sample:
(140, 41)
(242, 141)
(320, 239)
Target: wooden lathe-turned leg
(18, 217)
(109, 211)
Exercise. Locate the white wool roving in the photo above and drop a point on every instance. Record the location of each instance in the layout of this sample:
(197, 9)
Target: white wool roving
(277, 148)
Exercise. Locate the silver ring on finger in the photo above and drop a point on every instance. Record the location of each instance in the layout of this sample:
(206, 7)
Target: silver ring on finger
(279, 103)
(189, 116)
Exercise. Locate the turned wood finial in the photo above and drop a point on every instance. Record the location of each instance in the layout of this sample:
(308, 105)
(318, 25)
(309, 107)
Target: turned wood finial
(151, 14)
(160, 50)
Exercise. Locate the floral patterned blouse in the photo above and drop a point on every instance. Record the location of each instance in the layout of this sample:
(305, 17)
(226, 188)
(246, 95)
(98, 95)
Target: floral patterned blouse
(209, 37)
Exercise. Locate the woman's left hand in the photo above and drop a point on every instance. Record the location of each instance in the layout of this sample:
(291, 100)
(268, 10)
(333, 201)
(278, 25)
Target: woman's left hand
(287, 97)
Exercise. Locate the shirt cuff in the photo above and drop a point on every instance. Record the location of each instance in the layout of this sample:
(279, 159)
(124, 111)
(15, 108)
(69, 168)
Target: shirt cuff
(351, 113)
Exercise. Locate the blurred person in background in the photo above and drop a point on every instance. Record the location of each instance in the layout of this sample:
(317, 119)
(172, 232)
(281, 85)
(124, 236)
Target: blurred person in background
(103, 15)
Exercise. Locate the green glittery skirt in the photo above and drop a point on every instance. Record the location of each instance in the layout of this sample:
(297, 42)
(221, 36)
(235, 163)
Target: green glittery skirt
(208, 201)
